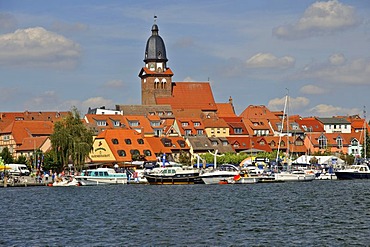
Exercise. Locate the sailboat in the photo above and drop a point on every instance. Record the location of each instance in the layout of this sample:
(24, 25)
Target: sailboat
(289, 175)
(359, 170)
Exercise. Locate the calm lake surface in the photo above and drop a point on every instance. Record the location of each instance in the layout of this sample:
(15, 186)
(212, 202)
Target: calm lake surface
(317, 213)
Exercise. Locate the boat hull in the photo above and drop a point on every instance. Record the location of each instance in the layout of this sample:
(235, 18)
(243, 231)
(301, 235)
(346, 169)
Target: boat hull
(352, 175)
(169, 180)
(90, 181)
(291, 177)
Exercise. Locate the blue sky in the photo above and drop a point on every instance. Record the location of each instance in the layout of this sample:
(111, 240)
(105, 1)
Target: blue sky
(59, 54)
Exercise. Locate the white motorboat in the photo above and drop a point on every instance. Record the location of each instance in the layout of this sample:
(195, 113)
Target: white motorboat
(360, 171)
(101, 176)
(223, 173)
(65, 181)
(294, 176)
(244, 179)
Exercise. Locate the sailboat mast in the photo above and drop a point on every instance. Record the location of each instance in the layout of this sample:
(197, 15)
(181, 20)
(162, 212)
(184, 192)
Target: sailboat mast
(364, 129)
(282, 126)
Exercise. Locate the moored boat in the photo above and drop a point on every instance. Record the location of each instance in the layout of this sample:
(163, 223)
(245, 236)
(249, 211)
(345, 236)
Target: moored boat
(101, 176)
(172, 175)
(294, 176)
(359, 171)
(224, 172)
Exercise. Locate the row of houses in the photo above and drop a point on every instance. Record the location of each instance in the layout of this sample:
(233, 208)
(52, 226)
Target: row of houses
(145, 131)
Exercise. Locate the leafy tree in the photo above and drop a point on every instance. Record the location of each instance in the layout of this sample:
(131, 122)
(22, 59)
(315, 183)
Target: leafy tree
(7, 156)
(184, 158)
(71, 140)
(21, 160)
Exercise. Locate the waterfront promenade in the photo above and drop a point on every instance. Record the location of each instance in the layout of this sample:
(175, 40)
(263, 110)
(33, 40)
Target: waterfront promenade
(23, 181)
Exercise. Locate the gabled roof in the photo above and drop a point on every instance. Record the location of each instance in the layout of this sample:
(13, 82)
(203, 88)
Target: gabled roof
(203, 144)
(260, 112)
(33, 116)
(215, 123)
(190, 95)
(121, 135)
(333, 120)
(248, 143)
(167, 144)
(310, 124)
(23, 129)
(225, 110)
(32, 143)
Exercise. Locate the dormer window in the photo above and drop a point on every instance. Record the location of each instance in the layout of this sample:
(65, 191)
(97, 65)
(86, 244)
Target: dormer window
(101, 123)
(140, 141)
(184, 124)
(128, 141)
(134, 123)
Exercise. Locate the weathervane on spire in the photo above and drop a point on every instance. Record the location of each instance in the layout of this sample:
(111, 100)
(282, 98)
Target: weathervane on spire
(155, 18)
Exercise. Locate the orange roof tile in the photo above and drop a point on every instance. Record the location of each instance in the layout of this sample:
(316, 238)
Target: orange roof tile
(190, 95)
(260, 111)
(120, 135)
(225, 110)
(23, 129)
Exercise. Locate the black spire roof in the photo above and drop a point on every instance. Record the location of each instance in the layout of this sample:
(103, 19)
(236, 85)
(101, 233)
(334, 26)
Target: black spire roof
(155, 49)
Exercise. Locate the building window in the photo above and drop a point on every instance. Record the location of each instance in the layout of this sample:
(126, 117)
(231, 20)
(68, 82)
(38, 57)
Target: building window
(199, 132)
(101, 123)
(184, 124)
(187, 132)
(116, 123)
(322, 142)
(121, 153)
(214, 143)
(225, 143)
(140, 141)
(128, 141)
(134, 152)
(339, 142)
(115, 141)
(238, 131)
(147, 152)
(155, 123)
(133, 123)
(196, 124)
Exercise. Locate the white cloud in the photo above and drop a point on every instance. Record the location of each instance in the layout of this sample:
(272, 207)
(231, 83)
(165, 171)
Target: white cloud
(277, 104)
(268, 60)
(323, 110)
(37, 47)
(312, 89)
(318, 19)
(97, 102)
(339, 70)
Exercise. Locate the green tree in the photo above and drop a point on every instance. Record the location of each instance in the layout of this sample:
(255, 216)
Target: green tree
(21, 160)
(71, 140)
(7, 156)
(184, 158)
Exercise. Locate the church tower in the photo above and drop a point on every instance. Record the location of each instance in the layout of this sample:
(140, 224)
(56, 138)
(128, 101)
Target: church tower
(156, 78)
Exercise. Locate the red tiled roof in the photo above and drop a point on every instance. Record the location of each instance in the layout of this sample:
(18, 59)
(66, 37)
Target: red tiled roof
(190, 95)
(32, 143)
(225, 110)
(260, 111)
(121, 135)
(23, 129)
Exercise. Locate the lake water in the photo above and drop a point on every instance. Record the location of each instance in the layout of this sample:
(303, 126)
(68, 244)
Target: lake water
(317, 213)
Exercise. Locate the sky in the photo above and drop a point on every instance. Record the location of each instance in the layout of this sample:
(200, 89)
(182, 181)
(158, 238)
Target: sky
(87, 53)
